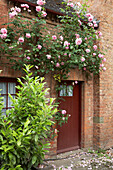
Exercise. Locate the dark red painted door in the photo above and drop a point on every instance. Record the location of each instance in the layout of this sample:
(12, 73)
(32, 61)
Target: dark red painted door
(69, 133)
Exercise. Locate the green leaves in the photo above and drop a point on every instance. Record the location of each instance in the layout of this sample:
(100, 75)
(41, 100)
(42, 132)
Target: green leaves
(24, 133)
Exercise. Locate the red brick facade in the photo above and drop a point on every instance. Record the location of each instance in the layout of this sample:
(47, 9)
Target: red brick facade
(97, 93)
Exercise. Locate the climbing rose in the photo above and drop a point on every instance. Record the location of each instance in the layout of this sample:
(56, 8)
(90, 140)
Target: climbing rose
(25, 6)
(28, 58)
(21, 39)
(88, 15)
(104, 60)
(3, 36)
(66, 43)
(48, 56)
(39, 47)
(4, 31)
(40, 2)
(61, 38)
(12, 14)
(63, 112)
(90, 18)
(76, 82)
(17, 9)
(87, 50)
(62, 63)
(38, 8)
(104, 68)
(28, 35)
(57, 65)
(82, 59)
(54, 37)
(78, 41)
(70, 4)
(44, 13)
(95, 47)
(94, 54)
(77, 35)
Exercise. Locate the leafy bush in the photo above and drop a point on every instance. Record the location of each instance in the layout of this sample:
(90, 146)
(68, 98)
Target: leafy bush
(25, 128)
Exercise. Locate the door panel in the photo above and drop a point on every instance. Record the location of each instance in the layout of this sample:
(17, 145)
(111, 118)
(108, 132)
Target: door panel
(69, 133)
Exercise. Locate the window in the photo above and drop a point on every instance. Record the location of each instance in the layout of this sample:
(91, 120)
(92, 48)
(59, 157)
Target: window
(7, 87)
(66, 90)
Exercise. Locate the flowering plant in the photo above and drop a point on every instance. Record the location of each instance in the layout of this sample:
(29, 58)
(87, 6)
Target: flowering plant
(23, 42)
(28, 41)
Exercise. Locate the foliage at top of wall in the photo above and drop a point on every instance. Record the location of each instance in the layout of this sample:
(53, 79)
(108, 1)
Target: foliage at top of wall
(28, 41)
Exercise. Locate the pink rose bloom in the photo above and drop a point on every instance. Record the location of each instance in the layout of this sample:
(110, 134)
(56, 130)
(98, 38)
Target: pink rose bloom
(66, 43)
(97, 37)
(104, 68)
(94, 22)
(94, 54)
(21, 39)
(66, 48)
(3, 30)
(57, 65)
(54, 37)
(87, 50)
(76, 82)
(12, 14)
(78, 41)
(70, 4)
(100, 56)
(3, 36)
(88, 15)
(77, 35)
(85, 38)
(80, 23)
(69, 55)
(44, 13)
(40, 2)
(90, 24)
(26, 6)
(61, 37)
(48, 56)
(62, 63)
(59, 56)
(38, 8)
(95, 47)
(39, 47)
(95, 25)
(84, 68)
(28, 35)
(65, 53)
(82, 59)
(90, 18)
(100, 34)
(63, 112)
(104, 60)
(28, 58)
(101, 65)
(17, 9)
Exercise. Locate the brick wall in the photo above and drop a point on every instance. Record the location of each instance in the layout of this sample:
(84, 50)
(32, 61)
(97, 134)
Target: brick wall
(97, 93)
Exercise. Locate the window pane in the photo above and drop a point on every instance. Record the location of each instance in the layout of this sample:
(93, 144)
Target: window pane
(3, 88)
(4, 100)
(63, 90)
(9, 101)
(3, 111)
(11, 88)
(69, 90)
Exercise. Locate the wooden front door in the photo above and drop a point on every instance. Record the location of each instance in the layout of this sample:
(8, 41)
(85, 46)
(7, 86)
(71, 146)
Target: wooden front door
(69, 133)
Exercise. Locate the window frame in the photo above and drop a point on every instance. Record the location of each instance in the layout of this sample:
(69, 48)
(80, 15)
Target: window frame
(7, 81)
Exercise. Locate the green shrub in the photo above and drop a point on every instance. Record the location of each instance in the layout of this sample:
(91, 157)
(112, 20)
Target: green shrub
(25, 128)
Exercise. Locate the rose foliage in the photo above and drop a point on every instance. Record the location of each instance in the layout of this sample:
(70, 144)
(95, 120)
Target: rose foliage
(27, 40)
